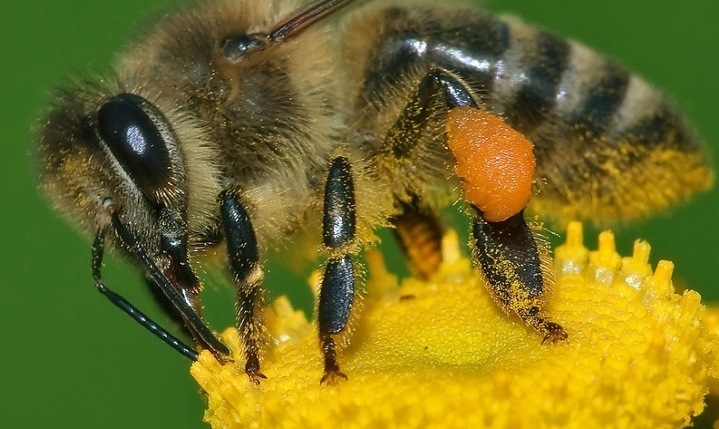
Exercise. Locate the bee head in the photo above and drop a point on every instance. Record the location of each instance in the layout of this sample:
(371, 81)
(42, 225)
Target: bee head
(134, 153)
(98, 150)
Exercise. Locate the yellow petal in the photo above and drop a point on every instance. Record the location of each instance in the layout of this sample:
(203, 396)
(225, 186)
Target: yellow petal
(441, 354)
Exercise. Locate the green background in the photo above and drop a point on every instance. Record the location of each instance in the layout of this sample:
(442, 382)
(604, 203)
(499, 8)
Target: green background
(71, 360)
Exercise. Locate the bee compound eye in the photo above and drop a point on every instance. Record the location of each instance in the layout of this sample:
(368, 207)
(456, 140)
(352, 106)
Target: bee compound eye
(126, 126)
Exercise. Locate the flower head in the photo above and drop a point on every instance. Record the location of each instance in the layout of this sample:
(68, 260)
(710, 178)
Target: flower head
(442, 354)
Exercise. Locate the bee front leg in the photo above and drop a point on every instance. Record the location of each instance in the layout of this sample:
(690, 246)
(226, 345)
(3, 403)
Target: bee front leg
(244, 262)
(171, 290)
(337, 290)
(98, 250)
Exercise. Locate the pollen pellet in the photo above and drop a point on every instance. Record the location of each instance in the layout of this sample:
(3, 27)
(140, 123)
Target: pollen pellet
(495, 163)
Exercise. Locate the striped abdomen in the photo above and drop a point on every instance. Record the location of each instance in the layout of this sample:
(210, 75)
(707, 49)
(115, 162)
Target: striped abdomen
(608, 145)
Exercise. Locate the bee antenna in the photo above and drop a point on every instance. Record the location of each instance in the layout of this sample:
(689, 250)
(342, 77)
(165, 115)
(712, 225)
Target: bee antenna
(304, 18)
(203, 333)
(128, 308)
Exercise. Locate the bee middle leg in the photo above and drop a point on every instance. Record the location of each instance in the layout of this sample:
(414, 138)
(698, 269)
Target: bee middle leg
(506, 251)
(338, 282)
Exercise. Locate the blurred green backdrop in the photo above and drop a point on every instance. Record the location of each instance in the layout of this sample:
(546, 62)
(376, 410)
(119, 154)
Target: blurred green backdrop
(71, 360)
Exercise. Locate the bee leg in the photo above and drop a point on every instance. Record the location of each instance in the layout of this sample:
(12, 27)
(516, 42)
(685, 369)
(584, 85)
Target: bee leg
(419, 233)
(506, 251)
(98, 249)
(508, 255)
(417, 227)
(191, 296)
(169, 286)
(243, 255)
(403, 136)
(173, 246)
(337, 290)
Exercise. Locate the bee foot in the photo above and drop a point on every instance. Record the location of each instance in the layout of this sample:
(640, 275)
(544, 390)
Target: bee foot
(255, 377)
(554, 333)
(332, 377)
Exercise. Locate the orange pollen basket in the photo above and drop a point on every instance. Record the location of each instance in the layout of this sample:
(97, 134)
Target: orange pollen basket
(495, 162)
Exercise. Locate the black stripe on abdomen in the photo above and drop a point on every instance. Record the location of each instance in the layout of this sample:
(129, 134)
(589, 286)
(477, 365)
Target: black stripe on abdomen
(604, 96)
(539, 71)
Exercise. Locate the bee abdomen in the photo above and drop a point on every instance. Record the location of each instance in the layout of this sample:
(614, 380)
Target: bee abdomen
(558, 87)
(608, 145)
(540, 83)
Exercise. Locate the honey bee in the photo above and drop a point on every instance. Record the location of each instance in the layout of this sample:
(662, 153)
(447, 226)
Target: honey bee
(239, 125)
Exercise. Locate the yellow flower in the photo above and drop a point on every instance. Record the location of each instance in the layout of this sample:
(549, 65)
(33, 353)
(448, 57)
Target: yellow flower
(442, 355)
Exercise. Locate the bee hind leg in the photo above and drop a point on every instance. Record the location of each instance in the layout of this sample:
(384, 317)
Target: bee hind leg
(417, 226)
(505, 251)
(508, 256)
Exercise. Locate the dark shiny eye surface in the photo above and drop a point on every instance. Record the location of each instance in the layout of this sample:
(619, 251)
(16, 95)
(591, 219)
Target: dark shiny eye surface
(125, 125)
